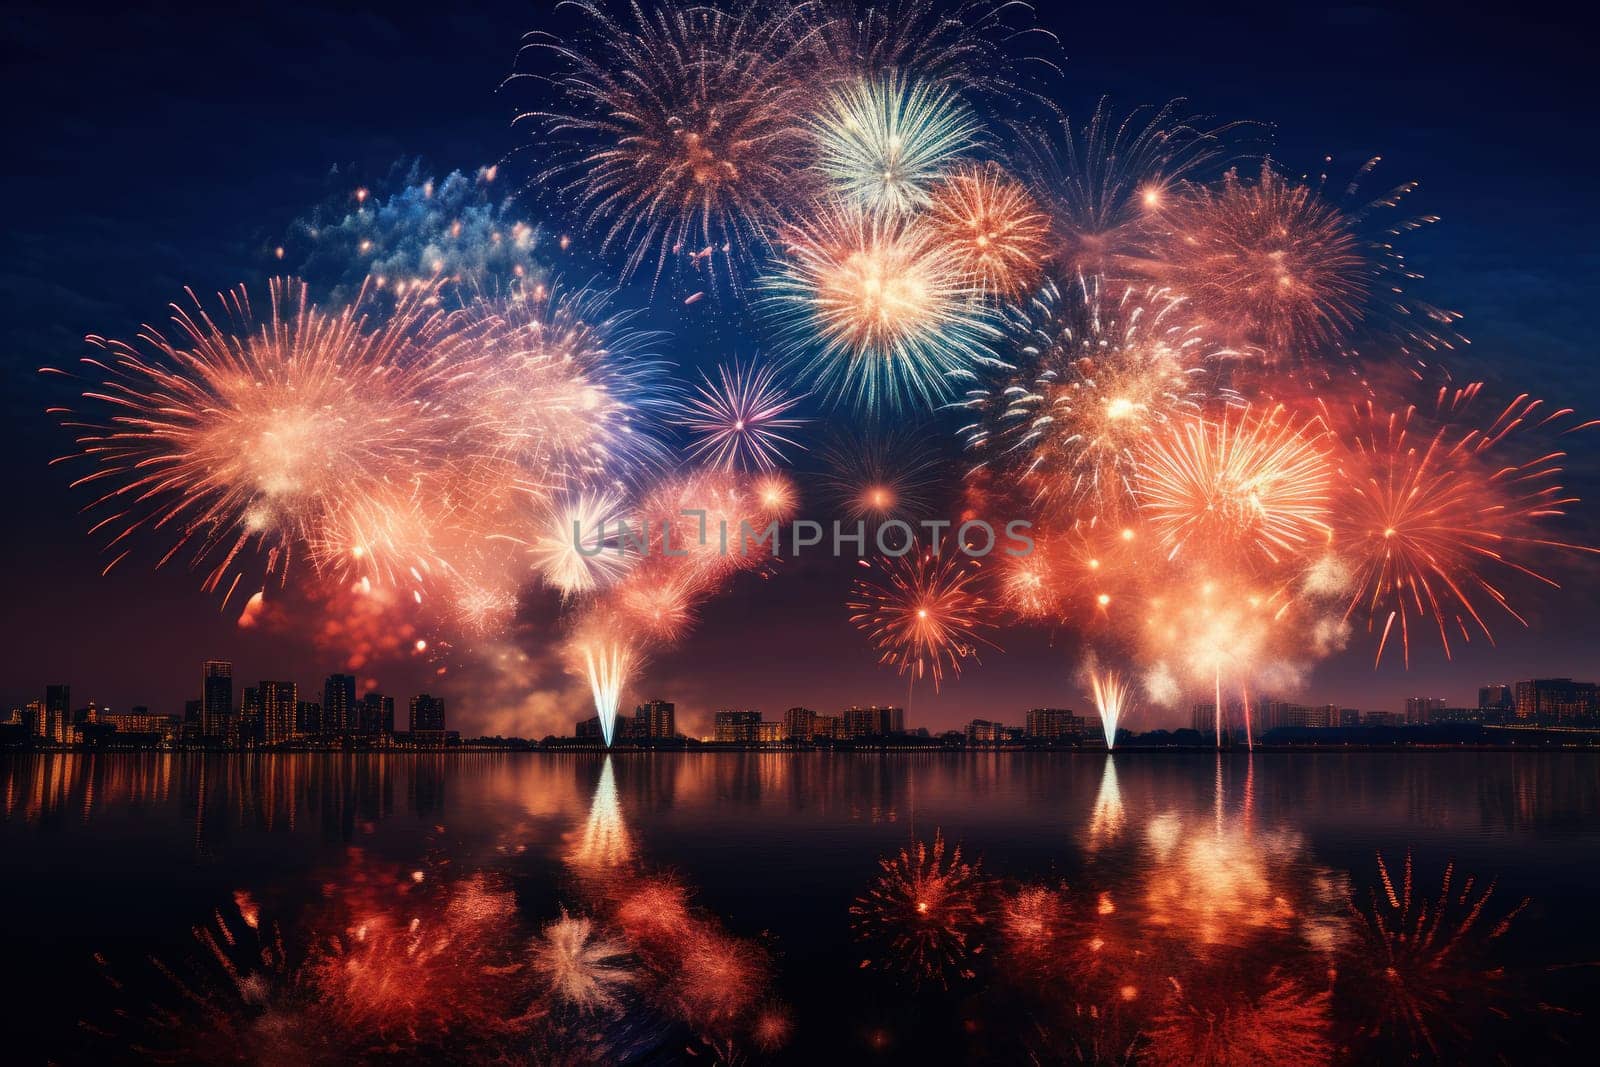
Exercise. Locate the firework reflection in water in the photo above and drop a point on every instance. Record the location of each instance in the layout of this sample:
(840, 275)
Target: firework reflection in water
(923, 912)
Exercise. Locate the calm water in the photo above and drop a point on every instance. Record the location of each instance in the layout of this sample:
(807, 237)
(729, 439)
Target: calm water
(748, 907)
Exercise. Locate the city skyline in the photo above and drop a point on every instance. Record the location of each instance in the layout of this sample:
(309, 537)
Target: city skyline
(271, 713)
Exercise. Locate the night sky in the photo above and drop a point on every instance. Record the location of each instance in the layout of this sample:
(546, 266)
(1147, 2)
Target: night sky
(151, 151)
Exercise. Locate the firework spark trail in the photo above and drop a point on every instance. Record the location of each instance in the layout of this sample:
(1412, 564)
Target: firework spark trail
(925, 616)
(741, 421)
(873, 311)
(675, 132)
(1428, 509)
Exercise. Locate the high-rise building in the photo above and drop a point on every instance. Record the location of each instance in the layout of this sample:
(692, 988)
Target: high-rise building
(799, 724)
(1203, 717)
(1054, 724)
(1557, 700)
(738, 726)
(1496, 697)
(769, 733)
(216, 698)
(339, 704)
(830, 727)
(36, 718)
(58, 713)
(874, 721)
(279, 711)
(657, 719)
(250, 715)
(308, 718)
(427, 715)
(1420, 710)
(376, 715)
(985, 732)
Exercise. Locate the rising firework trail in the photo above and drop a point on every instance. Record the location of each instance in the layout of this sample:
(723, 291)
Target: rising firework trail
(1111, 693)
(606, 657)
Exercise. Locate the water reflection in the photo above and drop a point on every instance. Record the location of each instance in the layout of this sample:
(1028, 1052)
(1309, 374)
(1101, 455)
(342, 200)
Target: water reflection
(760, 907)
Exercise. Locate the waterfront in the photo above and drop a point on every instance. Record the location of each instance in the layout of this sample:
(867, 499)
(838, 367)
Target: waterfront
(1121, 905)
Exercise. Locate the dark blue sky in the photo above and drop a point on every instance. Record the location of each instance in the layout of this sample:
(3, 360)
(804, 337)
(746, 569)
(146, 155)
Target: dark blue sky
(153, 149)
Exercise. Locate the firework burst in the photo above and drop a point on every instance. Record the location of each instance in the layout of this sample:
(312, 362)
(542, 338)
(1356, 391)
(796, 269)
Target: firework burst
(1258, 483)
(260, 432)
(741, 422)
(1098, 374)
(874, 311)
(992, 226)
(881, 143)
(880, 474)
(675, 132)
(962, 44)
(578, 545)
(925, 616)
(1270, 258)
(659, 599)
(925, 910)
(558, 389)
(1429, 512)
(1103, 183)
